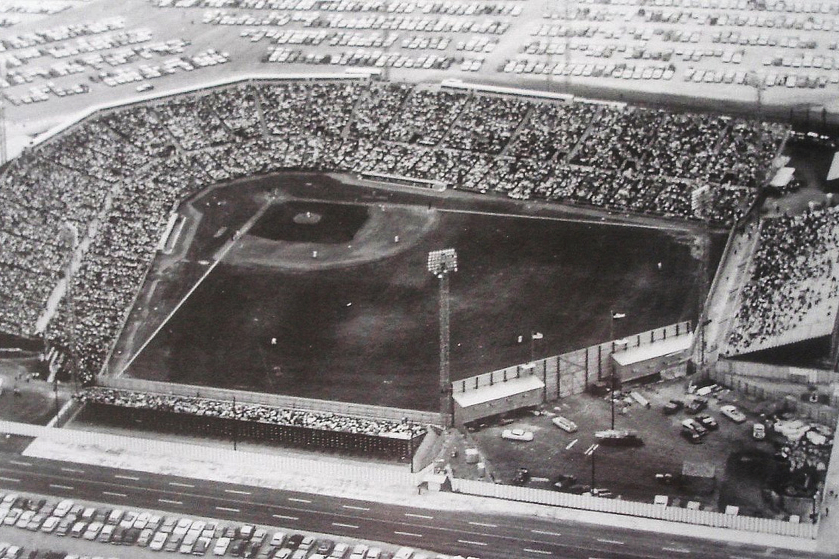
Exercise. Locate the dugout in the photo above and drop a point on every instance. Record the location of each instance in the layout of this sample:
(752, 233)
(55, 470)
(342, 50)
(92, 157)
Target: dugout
(510, 394)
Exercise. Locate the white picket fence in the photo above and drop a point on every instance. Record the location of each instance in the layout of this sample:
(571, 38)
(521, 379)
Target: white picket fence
(635, 508)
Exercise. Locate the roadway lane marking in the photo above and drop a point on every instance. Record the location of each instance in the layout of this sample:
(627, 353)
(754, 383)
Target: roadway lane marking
(471, 542)
(408, 534)
(296, 500)
(571, 444)
(179, 484)
(237, 492)
(484, 524)
(546, 533)
(542, 551)
(114, 494)
(540, 479)
(227, 509)
(72, 470)
(616, 542)
(284, 517)
(355, 508)
(57, 486)
(19, 463)
(676, 549)
(132, 478)
(9, 479)
(425, 516)
(344, 525)
(170, 502)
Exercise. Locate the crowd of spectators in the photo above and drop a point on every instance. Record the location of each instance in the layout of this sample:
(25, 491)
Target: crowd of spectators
(794, 274)
(260, 413)
(118, 175)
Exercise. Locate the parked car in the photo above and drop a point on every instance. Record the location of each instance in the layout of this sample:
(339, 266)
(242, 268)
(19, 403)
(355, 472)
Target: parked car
(564, 482)
(522, 476)
(158, 541)
(758, 431)
(517, 435)
(732, 413)
(691, 436)
(693, 425)
(221, 546)
(564, 423)
(696, 405)
(672, 407)
(708, 422)
(278, 539)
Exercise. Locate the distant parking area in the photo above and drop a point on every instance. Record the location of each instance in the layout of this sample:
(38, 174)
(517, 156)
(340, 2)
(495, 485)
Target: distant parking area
(741, 464)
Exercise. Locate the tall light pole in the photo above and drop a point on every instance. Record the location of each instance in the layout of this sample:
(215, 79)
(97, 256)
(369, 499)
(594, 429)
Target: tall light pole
(613, 316)
(590, 452)
(441, 263)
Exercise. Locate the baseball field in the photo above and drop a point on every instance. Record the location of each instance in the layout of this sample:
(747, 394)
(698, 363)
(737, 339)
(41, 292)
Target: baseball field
(327, 295)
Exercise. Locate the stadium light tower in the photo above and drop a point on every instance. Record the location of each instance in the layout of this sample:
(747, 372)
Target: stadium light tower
(441, 263)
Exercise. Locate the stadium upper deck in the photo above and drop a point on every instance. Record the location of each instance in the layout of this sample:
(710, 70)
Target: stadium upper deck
(780, 54)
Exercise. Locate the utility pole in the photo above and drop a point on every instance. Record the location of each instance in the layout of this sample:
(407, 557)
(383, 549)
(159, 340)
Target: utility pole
(441, 263)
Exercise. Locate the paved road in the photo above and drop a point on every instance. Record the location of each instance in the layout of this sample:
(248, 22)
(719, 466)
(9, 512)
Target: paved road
(488, 536)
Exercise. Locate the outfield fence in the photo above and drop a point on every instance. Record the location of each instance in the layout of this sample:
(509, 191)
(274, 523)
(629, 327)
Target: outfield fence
(635, 508)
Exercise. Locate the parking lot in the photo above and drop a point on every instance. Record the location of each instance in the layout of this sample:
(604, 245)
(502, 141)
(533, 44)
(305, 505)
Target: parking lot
(741, 464)
(32, 525)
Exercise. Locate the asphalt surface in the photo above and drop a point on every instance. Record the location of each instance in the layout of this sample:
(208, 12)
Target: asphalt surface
(483, 535)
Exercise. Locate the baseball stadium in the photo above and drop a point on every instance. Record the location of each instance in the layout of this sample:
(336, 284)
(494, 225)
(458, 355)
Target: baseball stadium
(412, 266)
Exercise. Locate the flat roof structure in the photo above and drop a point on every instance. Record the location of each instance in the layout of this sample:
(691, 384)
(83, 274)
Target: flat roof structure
(662, 348)
(498, 391)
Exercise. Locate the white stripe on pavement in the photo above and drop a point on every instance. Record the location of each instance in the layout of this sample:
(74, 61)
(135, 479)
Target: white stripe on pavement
(484, 524)
(237, 492)
(132, 478)
(57, 486)
(354, 507)
(228, 509)
(546, 533)
(19, 463)
(470, 542)
(676, 549)
(284, 517)
(408, 534)
(425, 516)
(72, 470)
(616, 542)
(296, 500)
(170, 502)
(179, 484)
(571, 444)
(114, 494)
(9, 479)
(542, 551)
(540, 479)
(344, 525)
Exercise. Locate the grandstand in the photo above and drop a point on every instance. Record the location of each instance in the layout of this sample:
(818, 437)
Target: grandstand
(118, 174)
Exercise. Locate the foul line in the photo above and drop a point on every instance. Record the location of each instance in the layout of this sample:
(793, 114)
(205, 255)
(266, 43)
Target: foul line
(225, 249)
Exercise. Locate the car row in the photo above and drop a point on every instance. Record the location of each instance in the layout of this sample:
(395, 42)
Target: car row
(176, 534)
